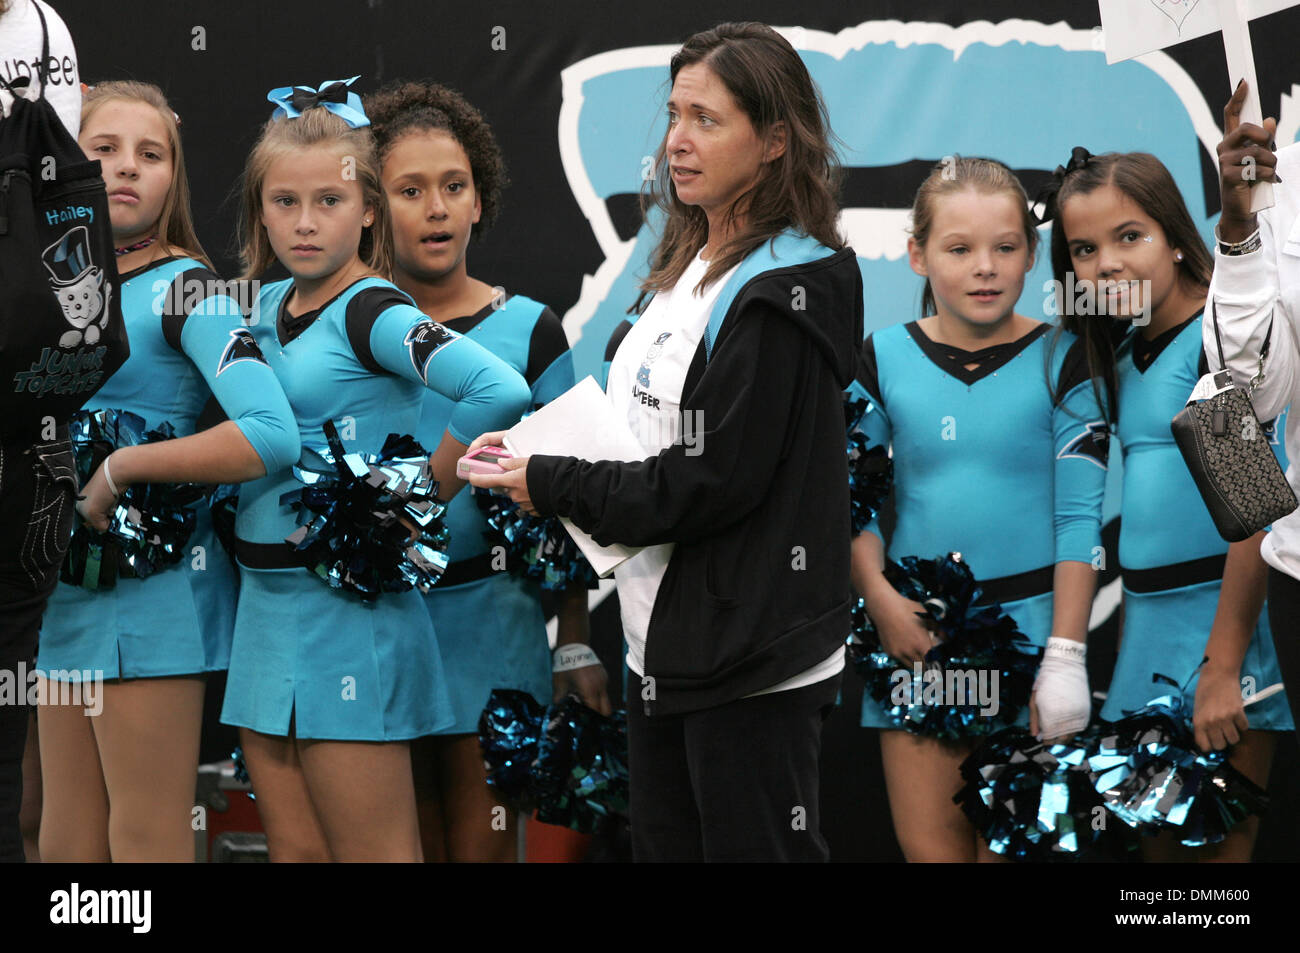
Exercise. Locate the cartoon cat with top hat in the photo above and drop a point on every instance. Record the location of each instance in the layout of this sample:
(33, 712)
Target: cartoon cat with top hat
(79, 285)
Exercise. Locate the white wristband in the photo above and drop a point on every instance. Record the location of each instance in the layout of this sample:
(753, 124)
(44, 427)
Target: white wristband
(108, 478)
(1061, 689)
(576, 655)
(1065, 649)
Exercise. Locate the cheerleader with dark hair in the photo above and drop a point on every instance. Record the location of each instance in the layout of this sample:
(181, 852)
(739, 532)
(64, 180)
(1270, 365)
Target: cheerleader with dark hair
(443, 176)
(1124, 237)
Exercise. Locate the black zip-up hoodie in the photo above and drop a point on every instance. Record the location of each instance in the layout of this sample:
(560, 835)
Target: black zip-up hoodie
(757, 588)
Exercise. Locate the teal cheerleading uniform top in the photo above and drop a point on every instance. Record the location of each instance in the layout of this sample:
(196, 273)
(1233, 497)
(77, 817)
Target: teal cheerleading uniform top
(994, 462)
(1171, 556)
(338, 667)
(189, 342)
(1004, 463)
(528, 337)
(490, 622)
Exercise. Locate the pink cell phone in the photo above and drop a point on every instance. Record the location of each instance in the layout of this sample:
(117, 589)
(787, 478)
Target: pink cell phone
(482, 460)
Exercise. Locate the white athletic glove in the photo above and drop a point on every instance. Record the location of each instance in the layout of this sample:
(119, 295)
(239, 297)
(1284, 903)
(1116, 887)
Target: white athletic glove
(1061, 689)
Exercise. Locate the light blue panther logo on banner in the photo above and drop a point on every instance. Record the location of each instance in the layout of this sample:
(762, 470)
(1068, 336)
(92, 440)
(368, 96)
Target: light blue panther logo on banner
(901, 97)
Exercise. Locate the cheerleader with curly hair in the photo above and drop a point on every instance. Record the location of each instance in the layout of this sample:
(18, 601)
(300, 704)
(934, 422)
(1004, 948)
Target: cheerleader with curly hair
(443, 176)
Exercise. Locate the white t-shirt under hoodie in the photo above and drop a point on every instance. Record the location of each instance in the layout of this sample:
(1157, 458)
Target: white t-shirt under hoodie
(20, 54)
(646, 378)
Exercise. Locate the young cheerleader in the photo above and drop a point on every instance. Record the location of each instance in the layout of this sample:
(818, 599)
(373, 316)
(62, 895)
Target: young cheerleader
(30, 33)
(120, 786)
(443, 175)
(328, 689)
(1124, 232)
(962, 397)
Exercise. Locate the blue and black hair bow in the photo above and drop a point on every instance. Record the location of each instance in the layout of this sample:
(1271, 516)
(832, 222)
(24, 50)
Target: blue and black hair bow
(1046, 197)
(334, 95)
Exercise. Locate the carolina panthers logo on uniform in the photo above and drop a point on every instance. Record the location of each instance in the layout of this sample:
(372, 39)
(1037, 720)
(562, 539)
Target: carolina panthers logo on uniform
(423, 341)
(242, 346)
(657, 348)
(1092, 444)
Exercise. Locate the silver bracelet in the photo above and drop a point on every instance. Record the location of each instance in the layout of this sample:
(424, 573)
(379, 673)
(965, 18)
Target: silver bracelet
(1252, 242)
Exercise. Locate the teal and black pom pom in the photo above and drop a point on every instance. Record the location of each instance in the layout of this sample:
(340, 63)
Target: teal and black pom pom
(977, 677)
(369, 523)
(871, 471)
(153, 522)
(567, 761)
(537, 547)
(1151, 774)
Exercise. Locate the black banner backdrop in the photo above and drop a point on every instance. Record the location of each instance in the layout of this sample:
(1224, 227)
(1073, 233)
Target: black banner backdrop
(217, 60)
(908, 82)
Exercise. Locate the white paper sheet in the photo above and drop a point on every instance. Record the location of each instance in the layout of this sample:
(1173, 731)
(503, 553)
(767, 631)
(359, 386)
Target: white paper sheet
(581, 422)
(1134, 27)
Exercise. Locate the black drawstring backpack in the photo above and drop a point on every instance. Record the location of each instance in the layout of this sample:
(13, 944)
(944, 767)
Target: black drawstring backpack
(61, 329)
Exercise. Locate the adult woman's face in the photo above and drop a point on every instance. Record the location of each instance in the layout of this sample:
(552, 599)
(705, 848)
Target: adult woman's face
(714, 153)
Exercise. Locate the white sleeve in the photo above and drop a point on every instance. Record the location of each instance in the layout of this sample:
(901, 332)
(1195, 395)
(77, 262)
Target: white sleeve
(20, 54)
(1248, 291)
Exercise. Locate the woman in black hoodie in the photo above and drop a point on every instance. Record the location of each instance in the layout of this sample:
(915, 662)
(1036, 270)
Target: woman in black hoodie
(732, 376)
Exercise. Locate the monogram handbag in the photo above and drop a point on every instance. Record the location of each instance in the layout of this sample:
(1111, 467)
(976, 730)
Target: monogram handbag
(1229, 454)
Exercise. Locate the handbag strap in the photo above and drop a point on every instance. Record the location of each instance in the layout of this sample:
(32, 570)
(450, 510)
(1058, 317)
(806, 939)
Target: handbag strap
(1263, 352)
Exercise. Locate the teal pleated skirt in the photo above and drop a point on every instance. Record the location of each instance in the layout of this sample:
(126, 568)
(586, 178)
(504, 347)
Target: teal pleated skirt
(1165, 633)
(492, 634)
(337, 667)
(178, 621)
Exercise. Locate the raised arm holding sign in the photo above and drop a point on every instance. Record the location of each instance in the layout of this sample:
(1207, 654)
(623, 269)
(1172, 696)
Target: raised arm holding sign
(1246, 162)
(1134, 27)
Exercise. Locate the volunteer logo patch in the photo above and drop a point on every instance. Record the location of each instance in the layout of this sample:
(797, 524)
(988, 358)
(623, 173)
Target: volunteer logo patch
(651, 355)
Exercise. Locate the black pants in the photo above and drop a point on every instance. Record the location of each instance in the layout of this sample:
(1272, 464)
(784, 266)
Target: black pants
(739, 782)
(1284, 620)
(37, 496)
